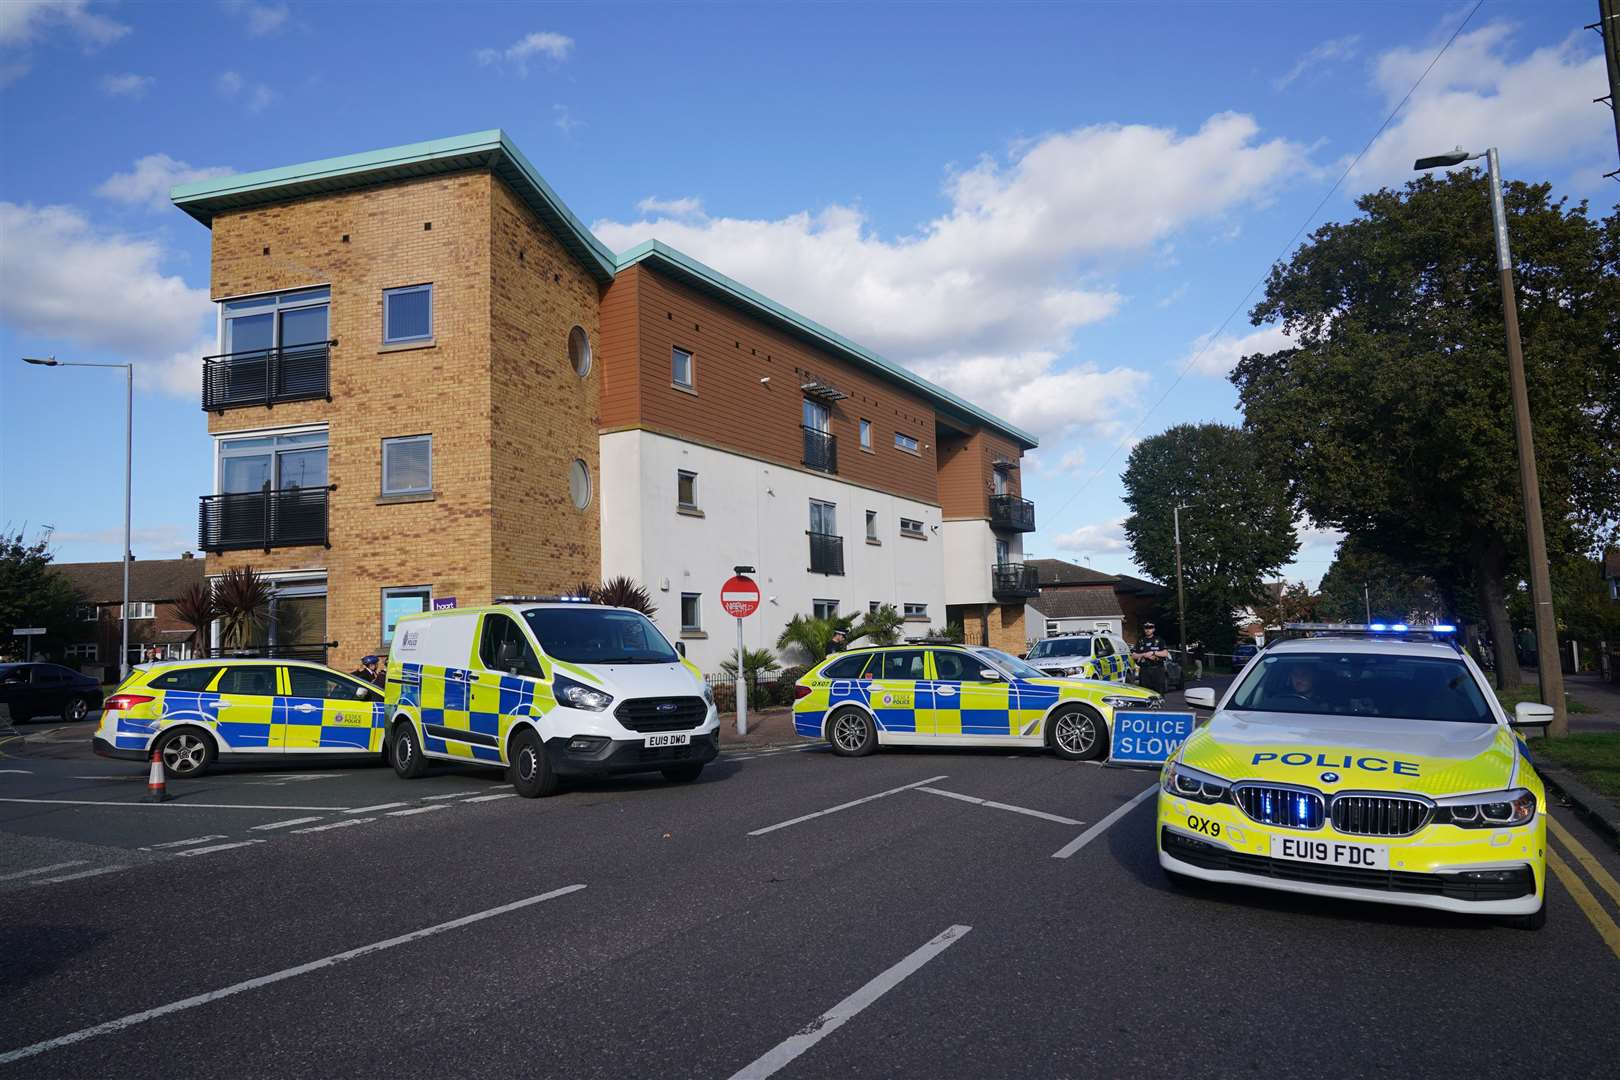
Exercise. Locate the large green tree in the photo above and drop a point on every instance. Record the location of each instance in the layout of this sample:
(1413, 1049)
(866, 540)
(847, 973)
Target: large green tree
(33, 595)
(1363, 581)
(1237, 528)
(1389, 417)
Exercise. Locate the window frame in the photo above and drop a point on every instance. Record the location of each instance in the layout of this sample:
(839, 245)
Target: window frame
(584, 336)
(402, 290)
(695, 627)
(680, 503)
(395, 440)
(872, 527)
(82, 651)
(921, 613)
(915, 449)
(384, 595)
(137, 607)
(87, 612)
(691, 368)
(919, 533)
(865, 436)
(817, 604)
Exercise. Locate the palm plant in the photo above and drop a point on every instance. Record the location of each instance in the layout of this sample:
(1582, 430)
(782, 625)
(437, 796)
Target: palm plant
(757, 664)
(197, 608)
(622, 592)
(241, 596)
(952, 632)
(880, 627)
(813, 636)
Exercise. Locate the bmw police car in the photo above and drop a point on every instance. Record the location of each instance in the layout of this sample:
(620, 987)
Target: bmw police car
(194, 712)
(1084, 656)
(547, 689)
(1361, 765)
(953, 695)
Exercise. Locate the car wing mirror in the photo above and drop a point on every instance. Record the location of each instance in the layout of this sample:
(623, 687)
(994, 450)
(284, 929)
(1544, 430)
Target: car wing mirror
(1532, 714)
(680, 647)
(1200, 697)
(990, 675)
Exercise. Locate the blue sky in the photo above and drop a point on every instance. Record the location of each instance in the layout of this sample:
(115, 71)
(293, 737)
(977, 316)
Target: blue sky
(1046, 208)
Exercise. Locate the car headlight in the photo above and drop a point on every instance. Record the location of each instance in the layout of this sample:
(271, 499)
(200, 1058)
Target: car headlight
(1491, 810)
(1073, 671)
(1122, 701)
(580, 696)
(1188, 783)
(708, 695)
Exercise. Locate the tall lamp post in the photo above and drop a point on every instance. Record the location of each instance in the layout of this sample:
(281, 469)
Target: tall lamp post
(129, 457)
(1181, 601)
(1549, 671)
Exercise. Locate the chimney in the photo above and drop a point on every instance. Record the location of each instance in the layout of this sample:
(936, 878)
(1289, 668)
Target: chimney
(187, 555)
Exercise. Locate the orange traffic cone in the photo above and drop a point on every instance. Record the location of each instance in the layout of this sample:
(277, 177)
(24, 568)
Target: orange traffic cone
(155, 789)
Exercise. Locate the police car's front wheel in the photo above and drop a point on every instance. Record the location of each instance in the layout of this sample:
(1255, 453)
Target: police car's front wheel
(531, 775)
(851, 733)
(1078, 734)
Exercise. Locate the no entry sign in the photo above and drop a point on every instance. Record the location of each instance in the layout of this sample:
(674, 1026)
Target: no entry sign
(740, 597)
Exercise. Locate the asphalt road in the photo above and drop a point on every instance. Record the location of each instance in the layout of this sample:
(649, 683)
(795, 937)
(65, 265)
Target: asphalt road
(792, 913)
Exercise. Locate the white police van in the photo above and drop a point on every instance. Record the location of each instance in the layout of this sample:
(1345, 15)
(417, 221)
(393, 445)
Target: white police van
(548, 688)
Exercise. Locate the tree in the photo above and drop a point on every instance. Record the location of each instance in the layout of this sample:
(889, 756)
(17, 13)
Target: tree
(1362, 578)
(622, 592)
(880, 627)
(241, 596)
(812, 636)
(32, 594)
(1237, 529)
(757, 663)
(1294, 602)
(197, 608)
(1389, 417)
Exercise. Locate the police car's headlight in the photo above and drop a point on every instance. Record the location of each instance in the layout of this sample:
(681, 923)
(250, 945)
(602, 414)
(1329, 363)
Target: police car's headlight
(708, 694)
(1121, 701)
(1492, 810)
(580, 696)
(1186, 783)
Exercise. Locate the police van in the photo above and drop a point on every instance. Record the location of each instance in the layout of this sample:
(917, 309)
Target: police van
(547, 688)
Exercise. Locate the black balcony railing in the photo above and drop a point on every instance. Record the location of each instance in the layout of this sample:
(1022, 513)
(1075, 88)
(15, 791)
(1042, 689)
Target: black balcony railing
(826, 553)
(1011, 512)
(820, 451)
(1014, 581)
(267, 376)
(293, 517)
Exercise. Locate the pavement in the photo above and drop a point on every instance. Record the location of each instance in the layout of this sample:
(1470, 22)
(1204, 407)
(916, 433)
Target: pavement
(1603, 698)
(917, 913)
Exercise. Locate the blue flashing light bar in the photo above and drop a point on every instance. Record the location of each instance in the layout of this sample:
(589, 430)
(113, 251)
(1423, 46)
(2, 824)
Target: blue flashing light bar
(1378, 626)
(1443, 628)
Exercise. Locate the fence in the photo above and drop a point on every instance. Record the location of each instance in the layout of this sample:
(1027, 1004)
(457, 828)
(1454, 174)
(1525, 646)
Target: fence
(775, 689)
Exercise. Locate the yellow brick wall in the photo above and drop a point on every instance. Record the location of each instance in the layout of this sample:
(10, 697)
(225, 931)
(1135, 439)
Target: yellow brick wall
(1007, 629)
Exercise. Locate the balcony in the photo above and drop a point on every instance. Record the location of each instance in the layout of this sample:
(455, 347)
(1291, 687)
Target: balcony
(1014, 581)
(826, 553)
(1012, 513)
(267, 376)
(820, 452)
(294, 517)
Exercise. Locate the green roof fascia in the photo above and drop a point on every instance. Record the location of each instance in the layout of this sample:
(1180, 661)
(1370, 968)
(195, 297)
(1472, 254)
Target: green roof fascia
(491, 149)
(749, 299)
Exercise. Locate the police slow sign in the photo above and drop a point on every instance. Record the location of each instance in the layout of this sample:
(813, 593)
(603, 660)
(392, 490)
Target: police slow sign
(1148, 737)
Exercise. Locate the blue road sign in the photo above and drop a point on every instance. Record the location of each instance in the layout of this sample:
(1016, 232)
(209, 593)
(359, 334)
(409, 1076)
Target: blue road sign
(1148, 737)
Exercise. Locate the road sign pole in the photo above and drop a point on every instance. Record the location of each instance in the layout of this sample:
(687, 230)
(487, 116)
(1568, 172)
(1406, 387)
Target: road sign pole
(742, 686)
(739, 597)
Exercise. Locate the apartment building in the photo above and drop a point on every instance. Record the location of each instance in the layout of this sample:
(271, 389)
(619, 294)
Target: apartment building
(435, 386)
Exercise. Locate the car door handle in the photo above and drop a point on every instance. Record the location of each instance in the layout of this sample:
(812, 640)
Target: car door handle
(306, 707)
(945, 691)
(213, 704)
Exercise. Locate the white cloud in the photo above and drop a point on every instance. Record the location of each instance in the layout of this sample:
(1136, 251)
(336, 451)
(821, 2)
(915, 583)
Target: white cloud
(24, 22)
(127, 85)
(540, 44)
(565, 120)
(687, 206)
(260, 19)
(1322, 56)
(1099, 537)
(255, 97)
(148, 183)
(1537, 107)
(1173, 295)
(13, 70)
(991, 291)
(104, 292)
(1218, 356)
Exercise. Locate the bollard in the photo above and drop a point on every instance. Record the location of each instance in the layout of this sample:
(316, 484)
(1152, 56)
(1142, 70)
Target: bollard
(156, 791)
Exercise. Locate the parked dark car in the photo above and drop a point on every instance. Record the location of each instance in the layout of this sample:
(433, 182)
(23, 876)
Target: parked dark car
(1242, 653)
(33, 690)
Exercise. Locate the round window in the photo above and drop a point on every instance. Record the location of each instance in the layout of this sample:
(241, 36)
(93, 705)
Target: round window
(579, 484)
(579, 351)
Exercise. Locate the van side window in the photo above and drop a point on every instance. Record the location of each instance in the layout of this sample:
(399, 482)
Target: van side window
(504, 648)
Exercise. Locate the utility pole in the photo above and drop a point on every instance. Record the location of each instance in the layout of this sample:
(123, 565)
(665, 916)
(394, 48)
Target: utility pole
(1181, 600)
(1366, 599)
(1608, 25)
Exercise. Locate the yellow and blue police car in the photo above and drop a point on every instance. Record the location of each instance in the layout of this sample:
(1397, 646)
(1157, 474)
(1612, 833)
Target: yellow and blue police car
(547, 688)
(954, 695)
(1084, 655)
(194, 712)
(1361, 764)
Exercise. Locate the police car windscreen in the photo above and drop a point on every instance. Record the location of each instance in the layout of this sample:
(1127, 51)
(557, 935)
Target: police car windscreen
(1362, 684)
(1060, 647)
(581, 635)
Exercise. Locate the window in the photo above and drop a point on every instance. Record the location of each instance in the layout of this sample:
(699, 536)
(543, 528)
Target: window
(257, 680)
(952, 666)
(911, 527)
(824, 609)
(680, 368)
(579, 484)
(404, 600)
(408, 314)
(272, 462)
(902, 664)
(139, 609)
(917, 611)
(1052, 627)
(908, 443)
(310, 683)
(847, 667)
(86, 612)
(277, 321)
(823, 518)
(691, 612)
(407, 465)
(1003, 551)
(1363, 684)
(191, 678)
(872, 606)
(866, 434)
(504, 647)
(579, 351)
(817, 417)
(871, 526)
(686, 489)
(82, 652)
(1101, 646)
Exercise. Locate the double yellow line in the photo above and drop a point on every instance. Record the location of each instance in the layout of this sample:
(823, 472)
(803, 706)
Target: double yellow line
(1589, 904)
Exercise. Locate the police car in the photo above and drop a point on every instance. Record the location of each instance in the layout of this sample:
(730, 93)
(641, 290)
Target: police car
(1084, 655)
(547, 687)
(953, 695)
(194, 712)
(1367, 764)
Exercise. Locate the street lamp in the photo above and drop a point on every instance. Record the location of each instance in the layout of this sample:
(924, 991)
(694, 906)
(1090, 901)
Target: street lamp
(1548, 669)
(129, 457)
(1181, 603)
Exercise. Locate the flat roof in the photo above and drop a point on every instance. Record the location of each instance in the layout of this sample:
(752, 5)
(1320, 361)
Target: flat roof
(492, 150)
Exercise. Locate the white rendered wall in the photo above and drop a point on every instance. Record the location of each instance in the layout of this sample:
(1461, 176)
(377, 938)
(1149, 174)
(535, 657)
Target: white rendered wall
(970, 552)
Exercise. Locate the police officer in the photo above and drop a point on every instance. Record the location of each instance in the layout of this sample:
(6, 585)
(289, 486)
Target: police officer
(1150, 654)
(370, 671)
(838, 642)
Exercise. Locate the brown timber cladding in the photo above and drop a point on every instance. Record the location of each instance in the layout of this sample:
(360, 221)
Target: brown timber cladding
(966, 465)
(645, 315)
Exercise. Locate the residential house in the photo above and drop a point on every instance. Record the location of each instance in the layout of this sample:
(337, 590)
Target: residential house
(154, 627)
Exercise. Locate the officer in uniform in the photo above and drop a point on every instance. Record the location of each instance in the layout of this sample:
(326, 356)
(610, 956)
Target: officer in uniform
(370, 671)
(1150, 654)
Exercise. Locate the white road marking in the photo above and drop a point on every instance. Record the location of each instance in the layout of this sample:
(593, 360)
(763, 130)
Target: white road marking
(491, 798)
(344, 823)
(1102, 826)
(451, 795)
(842, 806)
(265, 980)
(20, 772)
(218, 847)
(1043, 815)
(417, 810)
(292, 778)
(283, 824)
(185, 843)
(131, 776)
(369, 809)
(42, 869)
(174, 802)
(836, 1017)
(80, 874)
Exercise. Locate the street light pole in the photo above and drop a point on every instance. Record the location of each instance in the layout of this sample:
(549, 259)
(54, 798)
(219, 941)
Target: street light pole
(1366, 599)
(1181, 600)
(129, 467)
(1549, 671)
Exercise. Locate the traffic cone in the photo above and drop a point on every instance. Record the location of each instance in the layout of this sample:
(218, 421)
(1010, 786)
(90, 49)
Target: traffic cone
(155, 789)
